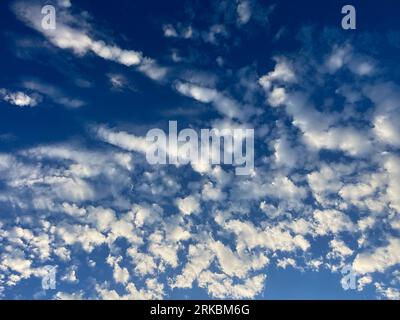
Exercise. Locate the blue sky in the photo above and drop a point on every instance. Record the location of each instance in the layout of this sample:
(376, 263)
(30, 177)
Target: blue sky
(77, 192)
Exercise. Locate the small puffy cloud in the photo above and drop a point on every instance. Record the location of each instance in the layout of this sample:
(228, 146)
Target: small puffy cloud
(387, 129)
(73, 189)
(211, 193)
(222, 287)
(284, 188)
(19, 98)
(284, 263)
(119, 82)
(283, 73)
(380, 259)
(344, 56)
(64, 3)
(151, 69)
(70, 275)
(87, 237)
(199, 259)
(387, 292)
(166, 252)
(101, 218)
(363, 281)
(349, 140)
(392, 167)
(144, 263)
(331, 221)
(338, 58)
(188, 205)
(121, 275)
(243, 12)
(361, 67)
(356, 192)
(272, 238)
(285, 153)
(339, 249)
(237, 264)
(171, 31)
(324, 182)
(215, 33)
(151, 291)
(277, 97)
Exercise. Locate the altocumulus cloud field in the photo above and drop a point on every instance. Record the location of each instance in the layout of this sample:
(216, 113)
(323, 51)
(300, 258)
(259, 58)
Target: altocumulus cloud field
(317, 216)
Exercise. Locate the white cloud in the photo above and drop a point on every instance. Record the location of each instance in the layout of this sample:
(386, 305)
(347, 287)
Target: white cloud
(355, 193)
(72, 189)
(332, 221)
(237, 265)
(220, 286)
(386, 128)
(285, 153)
(144, 263)
(177, 32)
(81, 42)
(188, 205)
(338, 57)
(151, 69)
(273, 238)
(379, 259)
(55, 94)
(211, 193)
(339, 249)
(19, 98)
(283, 72)
(284, 263)
(121, 275)
(64, 3)
(87, 237)
(151, 291)
(392, 167)
(70, 275)
(102, 218)
(324, 182)
(277, 97)
(387, 292)
(78, 41)
(167, 253)
(199, 259)
(244, 12)
(284, 188)
(118, 82)
(123, 140)
(169, 31)
(363, 281)
(351, 141)
(224, 104)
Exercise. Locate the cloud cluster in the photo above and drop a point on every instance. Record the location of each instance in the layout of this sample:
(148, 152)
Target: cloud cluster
(323, 193)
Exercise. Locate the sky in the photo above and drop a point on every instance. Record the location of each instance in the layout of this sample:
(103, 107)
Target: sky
(316, 216)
